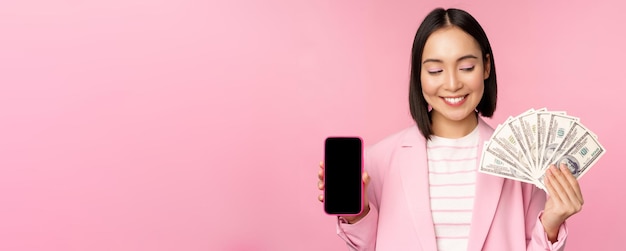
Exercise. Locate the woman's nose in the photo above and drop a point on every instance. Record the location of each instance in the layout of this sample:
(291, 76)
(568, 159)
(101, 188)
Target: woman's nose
(452, 82)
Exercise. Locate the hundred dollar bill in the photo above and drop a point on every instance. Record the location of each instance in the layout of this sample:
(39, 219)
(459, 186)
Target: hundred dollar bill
(515, 126)
(558, 126)
(523, 147)
(493, 165)
(581, 156)
(543, 118)
(529, 124)
(575, 132)
(509, 140)
(543, 121)
(501, 152)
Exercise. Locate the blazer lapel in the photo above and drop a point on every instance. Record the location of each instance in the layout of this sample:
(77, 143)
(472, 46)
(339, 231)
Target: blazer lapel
(488, 190)
(413, 166)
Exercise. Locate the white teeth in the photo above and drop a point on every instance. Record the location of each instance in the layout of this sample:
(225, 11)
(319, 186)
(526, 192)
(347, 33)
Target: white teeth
(454, 100)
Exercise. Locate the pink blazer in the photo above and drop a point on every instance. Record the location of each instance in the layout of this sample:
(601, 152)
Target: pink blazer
(505, 216)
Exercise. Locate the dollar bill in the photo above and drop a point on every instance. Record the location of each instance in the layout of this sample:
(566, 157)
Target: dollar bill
(529, 126)
(558, 126)
(523, 147)
(509, 137)
(583, 154)
(519, 133)
(575, 132)
(491, 164)
(543, 118)
(500, 152)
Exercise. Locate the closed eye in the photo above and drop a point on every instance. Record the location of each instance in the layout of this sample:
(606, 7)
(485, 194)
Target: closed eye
(471, 68)
(435, 71)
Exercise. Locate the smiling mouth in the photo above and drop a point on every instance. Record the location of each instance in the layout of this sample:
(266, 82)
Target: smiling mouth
(455, 100)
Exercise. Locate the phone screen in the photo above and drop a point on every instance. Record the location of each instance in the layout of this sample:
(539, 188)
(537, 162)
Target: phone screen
(343, 157)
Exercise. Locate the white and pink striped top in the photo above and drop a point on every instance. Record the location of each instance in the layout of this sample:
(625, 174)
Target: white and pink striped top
(452, 176)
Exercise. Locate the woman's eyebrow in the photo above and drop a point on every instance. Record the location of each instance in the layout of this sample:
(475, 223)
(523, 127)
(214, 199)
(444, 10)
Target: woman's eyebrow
(434, 60)
(466, 57)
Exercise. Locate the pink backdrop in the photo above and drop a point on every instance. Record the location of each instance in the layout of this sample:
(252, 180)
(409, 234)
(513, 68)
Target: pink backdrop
(187, 125)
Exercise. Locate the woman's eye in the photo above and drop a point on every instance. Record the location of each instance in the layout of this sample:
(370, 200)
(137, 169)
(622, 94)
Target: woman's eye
(469, 68)
(434, 71)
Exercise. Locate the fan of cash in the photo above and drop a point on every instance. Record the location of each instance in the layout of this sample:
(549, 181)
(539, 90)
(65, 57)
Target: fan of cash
(524, 147)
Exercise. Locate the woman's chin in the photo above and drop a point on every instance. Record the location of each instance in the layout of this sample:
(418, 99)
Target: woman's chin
(458, 116)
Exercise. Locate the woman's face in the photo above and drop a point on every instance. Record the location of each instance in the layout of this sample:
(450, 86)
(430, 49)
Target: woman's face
(452, 75)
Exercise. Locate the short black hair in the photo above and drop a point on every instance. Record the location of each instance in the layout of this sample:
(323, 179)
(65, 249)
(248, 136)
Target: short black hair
(435, 20)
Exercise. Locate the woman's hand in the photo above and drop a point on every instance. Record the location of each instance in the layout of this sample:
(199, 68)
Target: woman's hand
(565, 199)
(350, 218)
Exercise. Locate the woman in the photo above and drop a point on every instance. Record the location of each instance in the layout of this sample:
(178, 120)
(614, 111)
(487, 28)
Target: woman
(422, 188)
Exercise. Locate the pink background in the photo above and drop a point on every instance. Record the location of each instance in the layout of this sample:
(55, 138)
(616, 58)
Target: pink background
(195, 125)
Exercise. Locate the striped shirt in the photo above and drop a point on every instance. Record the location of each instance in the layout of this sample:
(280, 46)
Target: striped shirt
(452, 178)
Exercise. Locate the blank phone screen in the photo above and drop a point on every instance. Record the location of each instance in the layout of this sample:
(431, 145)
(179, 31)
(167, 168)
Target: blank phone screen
(342, 177)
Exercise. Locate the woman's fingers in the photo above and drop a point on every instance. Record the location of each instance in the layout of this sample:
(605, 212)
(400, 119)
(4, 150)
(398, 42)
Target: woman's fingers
(573, 182)
(554, 188)
(320, 182)
(320, 176)
(551, 191)
(566, 196)
(568, 193)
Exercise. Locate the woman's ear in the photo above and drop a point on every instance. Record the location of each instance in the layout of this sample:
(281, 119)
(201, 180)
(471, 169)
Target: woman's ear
(487, 64)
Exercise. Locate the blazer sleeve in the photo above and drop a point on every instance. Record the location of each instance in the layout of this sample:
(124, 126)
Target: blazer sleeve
(361, 235)
(536, 237)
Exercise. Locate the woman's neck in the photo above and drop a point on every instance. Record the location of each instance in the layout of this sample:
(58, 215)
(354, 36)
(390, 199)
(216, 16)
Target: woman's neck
(445, 128)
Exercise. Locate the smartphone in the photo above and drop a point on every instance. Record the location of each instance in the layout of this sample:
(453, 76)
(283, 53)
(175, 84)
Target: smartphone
(343, 167)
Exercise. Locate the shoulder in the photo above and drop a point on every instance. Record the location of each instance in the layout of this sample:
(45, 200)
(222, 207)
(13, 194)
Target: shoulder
(405, 136)
(379, 155)
(485, 129)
